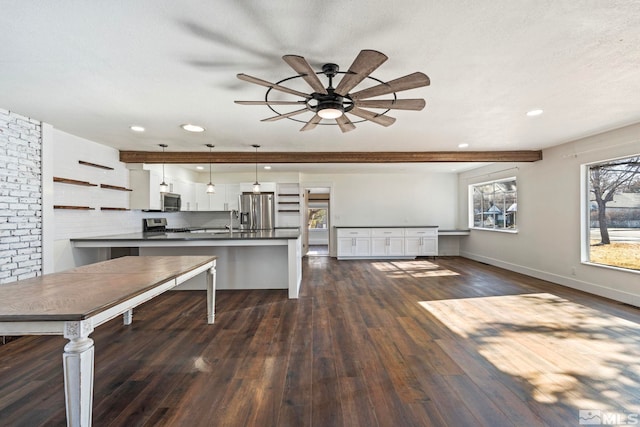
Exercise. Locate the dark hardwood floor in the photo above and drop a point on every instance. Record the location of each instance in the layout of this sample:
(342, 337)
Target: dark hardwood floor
(445, 342)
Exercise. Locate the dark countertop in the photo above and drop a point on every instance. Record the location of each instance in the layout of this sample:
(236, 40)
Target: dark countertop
(291, 233)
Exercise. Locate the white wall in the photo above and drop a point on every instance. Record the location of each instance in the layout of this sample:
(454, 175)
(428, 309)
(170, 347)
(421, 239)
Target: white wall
(547, 244)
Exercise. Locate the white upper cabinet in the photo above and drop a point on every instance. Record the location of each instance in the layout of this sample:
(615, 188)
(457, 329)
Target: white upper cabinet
(145, 186)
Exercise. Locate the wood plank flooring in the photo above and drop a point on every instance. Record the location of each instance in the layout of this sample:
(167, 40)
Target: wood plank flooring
(445, 342)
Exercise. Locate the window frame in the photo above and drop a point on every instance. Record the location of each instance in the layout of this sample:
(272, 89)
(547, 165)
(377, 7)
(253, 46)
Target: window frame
(472, 213)
(585, 214)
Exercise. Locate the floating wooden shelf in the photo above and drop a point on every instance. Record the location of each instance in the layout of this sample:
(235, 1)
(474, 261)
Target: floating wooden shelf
(73, 181)
(104, 208)
(82, 162)
(78, 208)
(288, 203)
(289, 195)
(289, 210)
(114, 187)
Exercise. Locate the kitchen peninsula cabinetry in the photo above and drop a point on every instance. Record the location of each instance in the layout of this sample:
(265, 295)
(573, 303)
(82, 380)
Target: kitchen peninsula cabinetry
(386, 242)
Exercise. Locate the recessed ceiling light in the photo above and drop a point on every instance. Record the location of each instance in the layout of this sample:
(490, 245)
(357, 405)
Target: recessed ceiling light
(192, 128)
(136, 128)
(463, 145)
(200, 168)
(267, 167)
(534, 113)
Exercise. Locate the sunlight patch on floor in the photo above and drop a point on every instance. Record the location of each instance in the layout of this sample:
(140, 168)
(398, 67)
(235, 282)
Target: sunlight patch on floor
(564, 351)
(412, 268)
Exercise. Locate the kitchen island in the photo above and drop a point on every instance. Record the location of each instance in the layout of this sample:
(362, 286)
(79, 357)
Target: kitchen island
(264, 259)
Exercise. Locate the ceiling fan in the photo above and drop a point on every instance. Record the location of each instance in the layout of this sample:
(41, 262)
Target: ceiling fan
(331, 103)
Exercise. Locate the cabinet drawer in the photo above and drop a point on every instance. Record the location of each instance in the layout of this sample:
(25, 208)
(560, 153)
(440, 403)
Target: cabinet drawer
(354, 232)
(387, 232)
(421, 232)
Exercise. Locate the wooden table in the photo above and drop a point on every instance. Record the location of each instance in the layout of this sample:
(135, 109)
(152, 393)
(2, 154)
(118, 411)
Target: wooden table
(74, 302)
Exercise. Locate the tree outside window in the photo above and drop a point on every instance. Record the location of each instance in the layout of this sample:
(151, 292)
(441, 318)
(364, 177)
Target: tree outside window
(614, 213)
(318, 218)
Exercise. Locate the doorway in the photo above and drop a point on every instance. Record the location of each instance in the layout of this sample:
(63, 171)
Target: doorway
(317, 215)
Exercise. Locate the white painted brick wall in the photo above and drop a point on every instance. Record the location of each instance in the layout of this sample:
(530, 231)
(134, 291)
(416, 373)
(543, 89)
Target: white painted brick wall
(20, 197)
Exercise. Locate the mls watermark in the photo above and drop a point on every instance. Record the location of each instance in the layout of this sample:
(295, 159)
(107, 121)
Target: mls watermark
(597, 417)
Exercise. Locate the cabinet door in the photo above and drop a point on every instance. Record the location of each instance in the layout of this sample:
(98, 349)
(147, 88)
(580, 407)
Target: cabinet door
(430, 246)
(395, 246)
(217, 200)
(378, 246)
(363, 246)
(231, 196)
(346, 246)
(412, 246)
(202, 198)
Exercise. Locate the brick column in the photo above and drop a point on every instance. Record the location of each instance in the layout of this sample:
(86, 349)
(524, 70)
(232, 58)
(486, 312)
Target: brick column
(20, 197)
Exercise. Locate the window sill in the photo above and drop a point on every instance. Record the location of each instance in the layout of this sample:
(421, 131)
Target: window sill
(497, 230)
(611, 267)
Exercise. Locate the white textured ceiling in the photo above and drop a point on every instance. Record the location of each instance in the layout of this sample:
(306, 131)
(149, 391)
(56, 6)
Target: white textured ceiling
(93, 68)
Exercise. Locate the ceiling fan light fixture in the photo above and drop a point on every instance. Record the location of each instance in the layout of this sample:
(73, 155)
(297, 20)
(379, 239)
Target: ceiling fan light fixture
(330, 113)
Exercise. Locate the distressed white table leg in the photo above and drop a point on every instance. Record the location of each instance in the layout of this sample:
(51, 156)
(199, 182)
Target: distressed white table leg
(78, 373)
(211, 294)
(127, 317)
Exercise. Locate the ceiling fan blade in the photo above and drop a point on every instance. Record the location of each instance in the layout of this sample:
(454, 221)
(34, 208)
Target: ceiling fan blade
(269, 102)
(284, 116)
(265, 83)
(383, 120)
(410, 81)
(311, 124)
(393, 104)
(363, 65)
(302, 67)
(345, 124)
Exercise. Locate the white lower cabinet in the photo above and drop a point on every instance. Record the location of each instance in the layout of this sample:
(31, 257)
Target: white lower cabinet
(421, 241)
(354, 242)
(387, 242)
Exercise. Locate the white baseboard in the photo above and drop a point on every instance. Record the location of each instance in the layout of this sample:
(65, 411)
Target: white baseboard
(592, 288)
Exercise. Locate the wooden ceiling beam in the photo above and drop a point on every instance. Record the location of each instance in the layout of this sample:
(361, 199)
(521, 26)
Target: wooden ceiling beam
(225, 157)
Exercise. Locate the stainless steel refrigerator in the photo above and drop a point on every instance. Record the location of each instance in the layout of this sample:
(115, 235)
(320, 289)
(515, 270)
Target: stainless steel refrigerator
(256, 211)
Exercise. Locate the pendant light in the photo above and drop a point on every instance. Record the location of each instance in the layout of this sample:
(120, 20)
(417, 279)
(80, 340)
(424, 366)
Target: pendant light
(211, 188)
(163, 185)
(256, 185)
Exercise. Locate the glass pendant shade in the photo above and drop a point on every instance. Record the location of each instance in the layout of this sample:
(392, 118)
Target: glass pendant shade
(256, 185)
(164, 187)
(211, 188)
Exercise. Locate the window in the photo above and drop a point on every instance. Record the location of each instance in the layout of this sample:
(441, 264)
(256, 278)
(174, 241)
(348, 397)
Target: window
(318, 218)
(494, 205)
(613, 213)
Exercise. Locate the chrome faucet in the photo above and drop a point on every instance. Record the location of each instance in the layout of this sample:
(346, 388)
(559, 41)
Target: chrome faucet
(232, 213)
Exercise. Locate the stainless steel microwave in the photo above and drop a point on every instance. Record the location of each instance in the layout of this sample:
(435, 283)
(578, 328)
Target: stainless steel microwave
(170, 202)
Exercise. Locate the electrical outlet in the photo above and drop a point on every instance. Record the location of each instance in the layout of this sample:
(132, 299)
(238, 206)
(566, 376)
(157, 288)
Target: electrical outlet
(573, 271)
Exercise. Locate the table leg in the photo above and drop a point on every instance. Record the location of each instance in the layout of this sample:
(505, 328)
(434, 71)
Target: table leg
(78, 373)
(211, 294)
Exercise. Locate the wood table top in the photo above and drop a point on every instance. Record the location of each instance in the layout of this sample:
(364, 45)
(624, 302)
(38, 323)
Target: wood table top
(83, 292)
